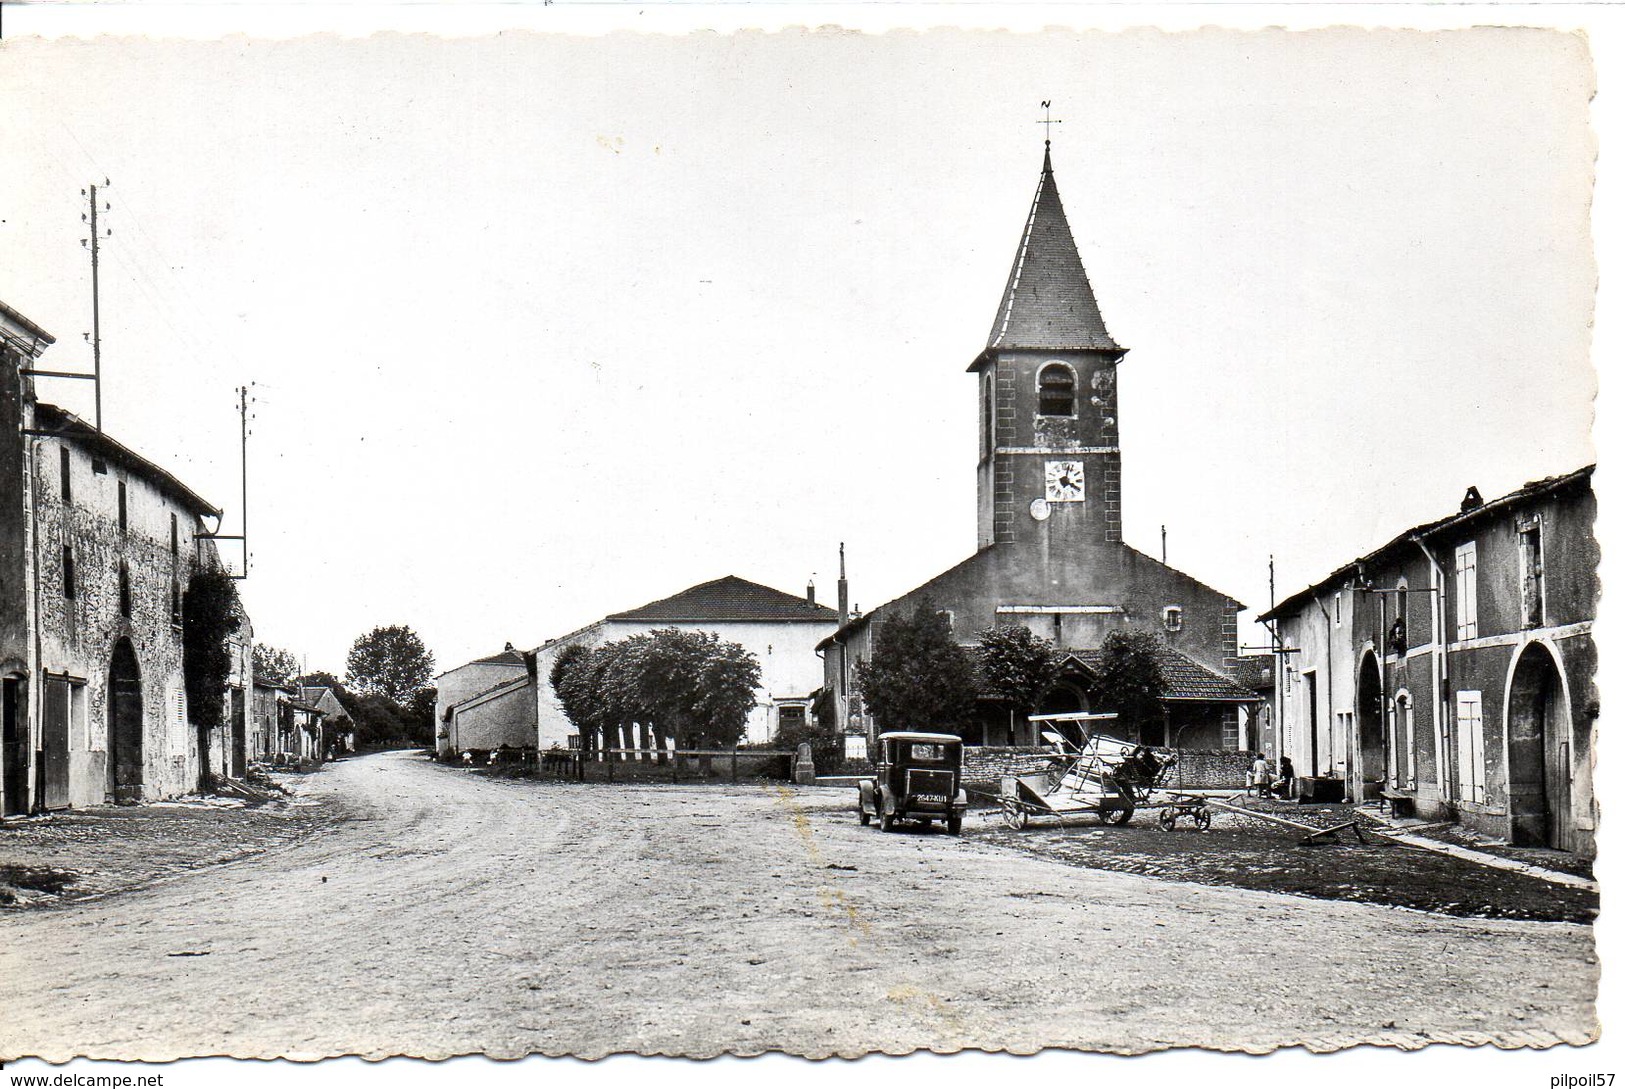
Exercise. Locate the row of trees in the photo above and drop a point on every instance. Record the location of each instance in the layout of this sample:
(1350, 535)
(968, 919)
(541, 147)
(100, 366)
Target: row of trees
(386, 683)
(918, 674)
(666, 686)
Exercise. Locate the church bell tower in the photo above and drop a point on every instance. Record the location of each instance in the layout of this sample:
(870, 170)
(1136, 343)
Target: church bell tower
(1049, 470)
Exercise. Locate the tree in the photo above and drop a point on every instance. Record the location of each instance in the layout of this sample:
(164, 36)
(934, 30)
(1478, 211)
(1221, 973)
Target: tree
(390, 662)
(1130, 679)
(918, 677)
(1017, 667)
(274, 664)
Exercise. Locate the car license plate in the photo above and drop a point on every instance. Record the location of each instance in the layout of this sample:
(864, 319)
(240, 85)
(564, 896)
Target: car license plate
(940, 799)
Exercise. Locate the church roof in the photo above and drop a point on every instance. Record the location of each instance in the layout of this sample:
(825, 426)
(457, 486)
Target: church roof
(1185, 678)
(1048, 303)
(729, 598)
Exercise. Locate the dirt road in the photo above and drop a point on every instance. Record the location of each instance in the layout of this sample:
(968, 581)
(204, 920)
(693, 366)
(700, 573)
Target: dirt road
(456, 914)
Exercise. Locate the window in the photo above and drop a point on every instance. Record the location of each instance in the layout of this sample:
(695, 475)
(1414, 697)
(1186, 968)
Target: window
(1534, 575)
(98, 466)
(123, 590)
(947, 618)
(1405, 731)
(70, 586)
(1470, 746)
(927, 753)
(1173, 618)
(67, 476)
(1467, 591)
(1398, 643)
(1337, 608)
(990, 418)
(78, 722)
(174, 535)
(1057, 391)
(123, 509)
(175, 601)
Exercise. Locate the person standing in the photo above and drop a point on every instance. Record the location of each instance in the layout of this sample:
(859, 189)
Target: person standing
(1259, 777)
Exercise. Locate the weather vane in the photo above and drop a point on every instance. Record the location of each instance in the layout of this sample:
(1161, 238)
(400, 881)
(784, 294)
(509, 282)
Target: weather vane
(1047, 122)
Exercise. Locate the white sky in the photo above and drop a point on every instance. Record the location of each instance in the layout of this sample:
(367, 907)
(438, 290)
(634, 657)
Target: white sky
(546, 326)
(518, 368)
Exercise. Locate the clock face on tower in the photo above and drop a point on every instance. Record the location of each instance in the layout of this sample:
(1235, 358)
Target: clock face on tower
(1063, 481)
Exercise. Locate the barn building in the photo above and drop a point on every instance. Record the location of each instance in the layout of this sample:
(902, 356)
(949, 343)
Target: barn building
(97, 548)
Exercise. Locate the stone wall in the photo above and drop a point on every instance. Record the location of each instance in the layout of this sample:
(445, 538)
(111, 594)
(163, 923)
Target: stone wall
(1199, 769)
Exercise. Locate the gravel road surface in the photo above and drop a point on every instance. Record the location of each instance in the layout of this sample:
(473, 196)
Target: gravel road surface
(447, 913)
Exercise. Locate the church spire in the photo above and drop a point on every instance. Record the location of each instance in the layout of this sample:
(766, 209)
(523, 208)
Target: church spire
(1048, 303)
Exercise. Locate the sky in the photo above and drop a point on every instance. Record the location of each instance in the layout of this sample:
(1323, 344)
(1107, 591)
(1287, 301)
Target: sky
(543, 326)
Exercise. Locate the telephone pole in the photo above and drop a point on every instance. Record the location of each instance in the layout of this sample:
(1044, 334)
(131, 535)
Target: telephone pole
(96, 296)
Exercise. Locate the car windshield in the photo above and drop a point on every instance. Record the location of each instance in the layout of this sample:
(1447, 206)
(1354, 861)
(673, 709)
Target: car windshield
(927, 752)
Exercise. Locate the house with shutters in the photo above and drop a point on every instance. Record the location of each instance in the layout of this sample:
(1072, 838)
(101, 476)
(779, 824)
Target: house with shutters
(98, 546)
(782, 630)
(1451, 671)
(1050, 553)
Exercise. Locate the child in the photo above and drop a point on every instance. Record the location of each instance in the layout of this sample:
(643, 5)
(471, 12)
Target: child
(1259, 778)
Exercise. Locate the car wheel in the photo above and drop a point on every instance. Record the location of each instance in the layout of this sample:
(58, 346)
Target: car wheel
(955, 823)
(888, 822)
(863, 816)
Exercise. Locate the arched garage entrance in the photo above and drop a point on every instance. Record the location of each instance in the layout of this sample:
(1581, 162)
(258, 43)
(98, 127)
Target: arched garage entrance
(1539, 752)
(125, 723)
(1371, 769)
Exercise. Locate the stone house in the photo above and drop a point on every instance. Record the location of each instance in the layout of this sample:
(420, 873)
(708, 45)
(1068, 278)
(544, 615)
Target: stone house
(288, 729)
(97, 547)
(1050, 553)
(1452, 669)
(338, 724)
(780, 629)
(502, 715)
(473, 679)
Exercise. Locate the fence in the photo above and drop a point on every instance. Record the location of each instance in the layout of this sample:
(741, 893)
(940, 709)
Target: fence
(647, 765)
(1198, 769)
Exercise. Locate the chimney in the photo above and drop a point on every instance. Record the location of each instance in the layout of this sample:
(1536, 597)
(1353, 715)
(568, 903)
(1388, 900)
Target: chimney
(1471, 501)
(812, 597)
(840, 589)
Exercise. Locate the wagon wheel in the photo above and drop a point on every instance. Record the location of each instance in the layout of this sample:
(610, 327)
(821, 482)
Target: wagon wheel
(1121, 815)
(1166, 818)
(1014, 816)
(1203, 819)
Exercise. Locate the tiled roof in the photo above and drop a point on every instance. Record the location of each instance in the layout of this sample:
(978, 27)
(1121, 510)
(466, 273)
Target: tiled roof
(1531, 490)
(59, 421)
(508, 656)
(729, 598)
(1048, 302)
(1186, 678)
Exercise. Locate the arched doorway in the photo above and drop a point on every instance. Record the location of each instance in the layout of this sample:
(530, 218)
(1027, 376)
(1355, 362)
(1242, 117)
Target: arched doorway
(125, 723)
(1371, 768)
(1539, 753)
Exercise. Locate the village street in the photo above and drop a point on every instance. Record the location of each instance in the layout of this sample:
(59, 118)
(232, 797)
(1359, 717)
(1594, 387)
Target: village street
(445, 912)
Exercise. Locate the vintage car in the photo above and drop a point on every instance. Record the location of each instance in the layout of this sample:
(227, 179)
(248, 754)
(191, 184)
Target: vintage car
(917, 779)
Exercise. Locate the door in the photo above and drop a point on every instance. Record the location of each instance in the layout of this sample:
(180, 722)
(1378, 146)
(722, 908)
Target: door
(14, 746)
(126, 724)
(54, 743)
(239, 736)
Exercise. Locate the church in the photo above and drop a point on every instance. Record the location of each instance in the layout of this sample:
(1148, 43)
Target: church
(1050, 552)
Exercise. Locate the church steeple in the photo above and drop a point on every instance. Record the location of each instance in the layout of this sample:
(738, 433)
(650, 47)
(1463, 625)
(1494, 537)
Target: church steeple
(1050, 471)
(1048, 304)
